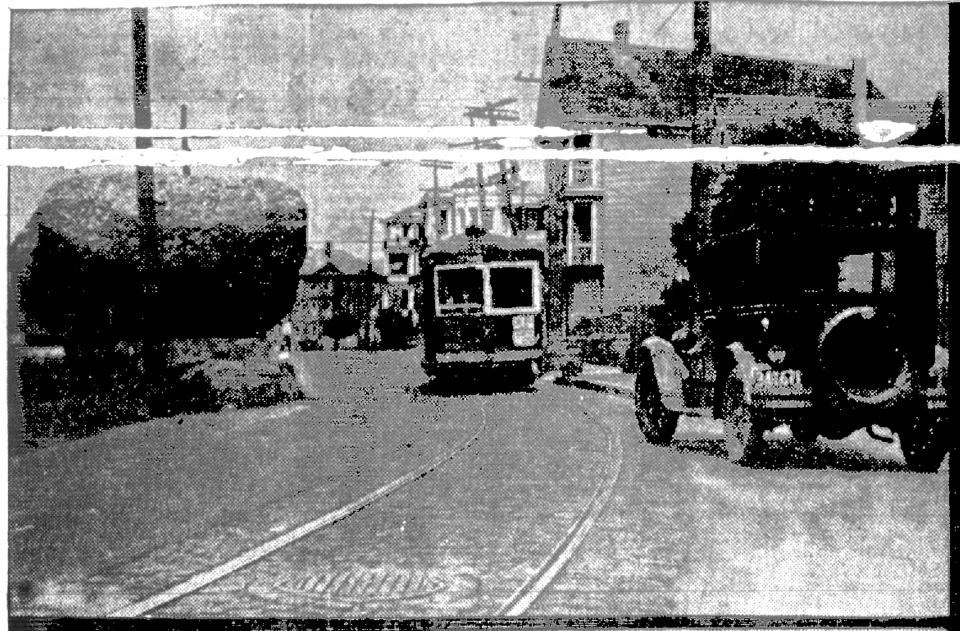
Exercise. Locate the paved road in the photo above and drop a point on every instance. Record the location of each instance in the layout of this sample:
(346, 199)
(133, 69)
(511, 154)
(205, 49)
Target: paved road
(382, 497)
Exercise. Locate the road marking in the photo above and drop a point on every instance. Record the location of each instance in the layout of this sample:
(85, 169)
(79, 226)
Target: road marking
(203, 579)
(531, 589)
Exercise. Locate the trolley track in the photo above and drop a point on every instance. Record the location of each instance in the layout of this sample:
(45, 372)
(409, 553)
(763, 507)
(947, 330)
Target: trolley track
(202, 579)
(531, 588)
(540, 581)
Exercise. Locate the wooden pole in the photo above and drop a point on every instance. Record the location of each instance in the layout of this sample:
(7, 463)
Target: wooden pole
(703, 122)
(368, 317)
(184, 143)
(151, 349)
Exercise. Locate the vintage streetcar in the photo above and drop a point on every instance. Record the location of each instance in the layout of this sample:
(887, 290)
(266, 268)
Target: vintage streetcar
(482, 306)
(828, 329)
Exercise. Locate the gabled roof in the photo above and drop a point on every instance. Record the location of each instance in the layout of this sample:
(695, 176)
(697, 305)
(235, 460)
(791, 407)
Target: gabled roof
(408, 215)
(598, 83)
(318, 266)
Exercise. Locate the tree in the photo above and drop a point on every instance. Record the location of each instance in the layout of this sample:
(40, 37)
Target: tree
(231, 250)
(776, 195)
(785, 194)
(230, 256)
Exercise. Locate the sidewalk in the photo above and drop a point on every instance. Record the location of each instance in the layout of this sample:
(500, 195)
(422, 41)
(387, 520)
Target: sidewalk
(605, 379)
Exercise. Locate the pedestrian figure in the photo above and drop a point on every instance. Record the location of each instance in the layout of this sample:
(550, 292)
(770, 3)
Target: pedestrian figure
(286, 360)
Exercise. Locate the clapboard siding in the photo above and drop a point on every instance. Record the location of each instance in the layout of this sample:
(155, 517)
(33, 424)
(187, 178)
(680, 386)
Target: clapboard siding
(640, 202)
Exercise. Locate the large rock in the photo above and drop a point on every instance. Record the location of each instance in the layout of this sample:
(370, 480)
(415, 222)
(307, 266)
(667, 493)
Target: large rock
(229, 261)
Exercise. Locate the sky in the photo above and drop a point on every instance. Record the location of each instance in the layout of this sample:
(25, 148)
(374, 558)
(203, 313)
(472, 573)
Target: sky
(249, 66)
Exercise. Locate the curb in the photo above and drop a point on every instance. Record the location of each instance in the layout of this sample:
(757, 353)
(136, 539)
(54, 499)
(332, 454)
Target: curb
(586, 384)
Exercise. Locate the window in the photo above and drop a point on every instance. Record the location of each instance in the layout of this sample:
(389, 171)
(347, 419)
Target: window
(866, 273)
(399, 263)
(580, 233)
(459, 289)
(442, 221)
(583, 221)
(511, 287)
(532, 218)
(581, 173)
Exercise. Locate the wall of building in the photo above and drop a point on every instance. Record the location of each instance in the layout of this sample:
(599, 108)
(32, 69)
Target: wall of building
(640, 202)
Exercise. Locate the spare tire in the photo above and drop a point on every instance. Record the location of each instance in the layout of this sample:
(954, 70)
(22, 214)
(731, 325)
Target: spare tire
(861, 354)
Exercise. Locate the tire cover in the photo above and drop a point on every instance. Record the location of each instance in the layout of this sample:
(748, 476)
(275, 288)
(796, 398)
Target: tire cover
(900, 385)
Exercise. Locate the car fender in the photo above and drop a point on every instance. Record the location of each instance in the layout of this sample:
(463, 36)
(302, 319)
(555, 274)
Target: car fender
(746, 367)
(669, 370)
(940, 366)
(937, 392)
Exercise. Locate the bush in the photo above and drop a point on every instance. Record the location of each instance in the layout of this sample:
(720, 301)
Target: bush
(60, 401)
(91, 389)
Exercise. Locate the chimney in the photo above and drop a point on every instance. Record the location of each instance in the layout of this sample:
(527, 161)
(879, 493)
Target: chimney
(701, 28)
(328, 250)
(858, 88)
(621, 33)
(555, 27)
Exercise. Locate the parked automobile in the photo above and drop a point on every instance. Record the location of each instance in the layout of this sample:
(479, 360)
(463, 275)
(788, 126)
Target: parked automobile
(825, 329)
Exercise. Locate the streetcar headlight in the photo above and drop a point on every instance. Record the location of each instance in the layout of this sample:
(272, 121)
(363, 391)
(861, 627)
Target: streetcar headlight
(524, 332)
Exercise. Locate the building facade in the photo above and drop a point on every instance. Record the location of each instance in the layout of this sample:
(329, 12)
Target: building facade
(612, 219)
(337, 299)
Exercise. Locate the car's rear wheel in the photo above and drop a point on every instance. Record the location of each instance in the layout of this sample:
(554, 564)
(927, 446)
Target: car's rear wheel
(741, 433)
(657, 423)
(923, 444)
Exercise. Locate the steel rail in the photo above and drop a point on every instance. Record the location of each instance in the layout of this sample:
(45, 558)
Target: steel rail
(202, 579)
(537, 583)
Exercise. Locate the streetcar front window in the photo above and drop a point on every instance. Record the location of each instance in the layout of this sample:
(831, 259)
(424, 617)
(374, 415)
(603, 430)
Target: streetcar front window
(459, 289)
(511, 287)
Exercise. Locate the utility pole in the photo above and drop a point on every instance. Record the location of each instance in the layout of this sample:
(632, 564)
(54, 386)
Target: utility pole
(492, 112)
(702, 175)
(184, 143)
(151, 348)
(476, 143)
(555, 25)
(703, 115)
(369, 293)
(436, 166)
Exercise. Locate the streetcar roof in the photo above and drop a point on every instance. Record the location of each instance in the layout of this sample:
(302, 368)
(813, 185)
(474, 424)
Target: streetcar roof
(487, 247)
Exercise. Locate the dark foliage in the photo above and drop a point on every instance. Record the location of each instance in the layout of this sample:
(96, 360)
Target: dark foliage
(790, 194)
(340, 326)
(93, 388)
(229, 261)
(230, 254)
(781, 196)
(396, 328)
(675, 307)
(683, 238)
